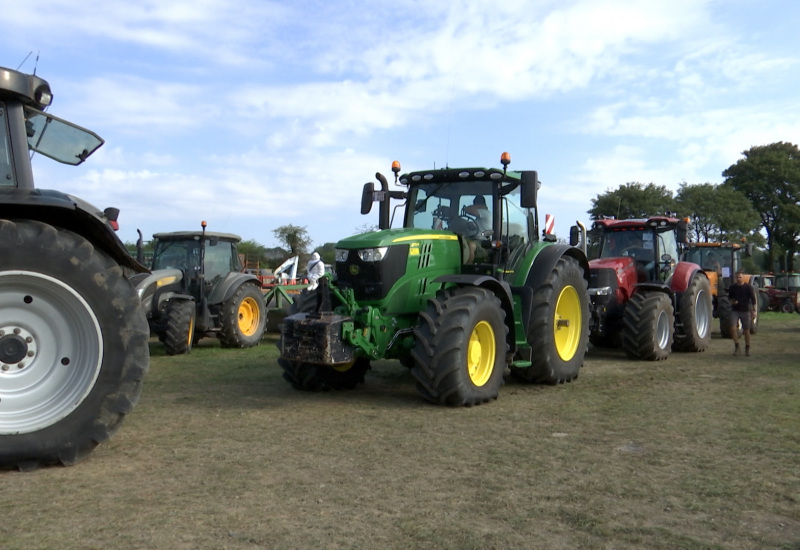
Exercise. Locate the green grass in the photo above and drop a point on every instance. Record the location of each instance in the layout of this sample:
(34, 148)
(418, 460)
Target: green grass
(698, 452)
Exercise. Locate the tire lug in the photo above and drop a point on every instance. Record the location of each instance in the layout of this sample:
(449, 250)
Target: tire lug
(4, 367)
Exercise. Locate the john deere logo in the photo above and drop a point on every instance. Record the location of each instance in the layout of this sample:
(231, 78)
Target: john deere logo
(353, 270)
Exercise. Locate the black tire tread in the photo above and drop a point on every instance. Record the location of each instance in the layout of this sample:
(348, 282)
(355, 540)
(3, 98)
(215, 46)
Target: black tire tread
(43, 248)
(230, 336)
(639, 326)
(440, 347)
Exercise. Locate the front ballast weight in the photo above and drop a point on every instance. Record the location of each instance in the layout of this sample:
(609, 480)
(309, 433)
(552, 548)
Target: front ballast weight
(315, 336)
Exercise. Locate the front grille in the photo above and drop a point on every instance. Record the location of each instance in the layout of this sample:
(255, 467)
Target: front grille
(372, 281)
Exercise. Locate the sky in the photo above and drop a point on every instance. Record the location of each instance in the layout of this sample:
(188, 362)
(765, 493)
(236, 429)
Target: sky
(255, 115)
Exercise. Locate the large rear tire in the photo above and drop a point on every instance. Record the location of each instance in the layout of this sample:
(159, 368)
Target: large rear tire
(695, 314)
(179, 336)
(558, 332)
(243, 318)
(313, 377)
(460, 347)
(648, 326)
(73, 350)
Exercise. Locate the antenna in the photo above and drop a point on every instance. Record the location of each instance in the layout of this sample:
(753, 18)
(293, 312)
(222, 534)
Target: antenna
(30, 53)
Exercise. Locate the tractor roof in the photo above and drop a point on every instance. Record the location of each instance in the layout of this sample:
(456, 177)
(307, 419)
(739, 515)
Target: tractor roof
(196, 235)
(637, 223)
(29, 89)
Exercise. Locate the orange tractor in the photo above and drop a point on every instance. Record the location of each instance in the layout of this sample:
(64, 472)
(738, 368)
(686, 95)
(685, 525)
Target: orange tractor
(721, 261)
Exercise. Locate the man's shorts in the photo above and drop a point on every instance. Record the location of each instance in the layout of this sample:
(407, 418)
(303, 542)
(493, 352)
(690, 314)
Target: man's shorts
(744, 316)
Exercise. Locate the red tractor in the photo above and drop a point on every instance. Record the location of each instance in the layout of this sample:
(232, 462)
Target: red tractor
(643, 298)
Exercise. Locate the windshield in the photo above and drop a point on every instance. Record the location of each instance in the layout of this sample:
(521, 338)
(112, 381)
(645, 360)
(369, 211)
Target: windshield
(466, 208)
(712, 259)
(220, 257)
(638, 244)
(788, 282)
(58, 139)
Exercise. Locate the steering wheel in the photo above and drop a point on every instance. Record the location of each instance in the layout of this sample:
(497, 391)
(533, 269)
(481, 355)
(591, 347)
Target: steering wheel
(471, 224)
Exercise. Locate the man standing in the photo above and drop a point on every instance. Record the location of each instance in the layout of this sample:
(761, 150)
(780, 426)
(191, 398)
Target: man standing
(743, 303)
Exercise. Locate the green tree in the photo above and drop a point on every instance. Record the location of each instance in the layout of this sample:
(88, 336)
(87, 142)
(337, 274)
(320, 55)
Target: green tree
(633, 200)
(718, 213)
(253, 252)
(294, 237)
(769, 176)
(327, 252)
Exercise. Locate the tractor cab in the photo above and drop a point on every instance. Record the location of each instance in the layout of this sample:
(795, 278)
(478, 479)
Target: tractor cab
(184, 250)
(491, 224)
(648, 246)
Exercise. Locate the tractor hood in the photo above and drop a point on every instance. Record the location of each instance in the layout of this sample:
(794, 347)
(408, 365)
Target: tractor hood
(389, 237)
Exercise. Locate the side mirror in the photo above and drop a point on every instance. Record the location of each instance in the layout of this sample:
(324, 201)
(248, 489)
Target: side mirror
(530, 185)
(682, 232)
(366, 197)
(574, 235)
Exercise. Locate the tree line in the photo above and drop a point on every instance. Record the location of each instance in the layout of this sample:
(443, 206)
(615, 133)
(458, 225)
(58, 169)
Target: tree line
(760, 193)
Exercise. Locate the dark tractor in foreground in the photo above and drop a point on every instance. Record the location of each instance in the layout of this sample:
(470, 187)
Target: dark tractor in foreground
(643, 298)
(457, 294)
(197, 288)
(73, 339)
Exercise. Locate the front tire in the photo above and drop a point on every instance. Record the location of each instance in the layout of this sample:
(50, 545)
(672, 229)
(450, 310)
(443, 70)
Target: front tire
(695, 315)
(243, 318)
(179, 335)
(460, 347)
(558, 332)
(648, 326)
(74, 341)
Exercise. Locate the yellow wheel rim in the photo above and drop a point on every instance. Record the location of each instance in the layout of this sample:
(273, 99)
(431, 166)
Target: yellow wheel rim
(568, 323)
(190, 337)
(481, 353)
(248, 316)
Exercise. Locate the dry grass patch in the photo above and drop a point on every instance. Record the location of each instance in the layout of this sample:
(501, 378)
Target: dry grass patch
(699, 451)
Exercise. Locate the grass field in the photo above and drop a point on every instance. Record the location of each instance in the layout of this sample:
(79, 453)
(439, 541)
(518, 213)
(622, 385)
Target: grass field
(701, 451)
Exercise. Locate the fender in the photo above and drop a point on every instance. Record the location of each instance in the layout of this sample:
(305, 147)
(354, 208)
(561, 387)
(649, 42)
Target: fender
(541, 267)
(548, 257)
(501, 289)
(224, 289)
(70, 213)
(156, 287)
(684, 273)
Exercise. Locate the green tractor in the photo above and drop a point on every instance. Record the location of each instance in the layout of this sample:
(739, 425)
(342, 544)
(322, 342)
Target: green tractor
(460, 294)
(197, 288)
(73, 339)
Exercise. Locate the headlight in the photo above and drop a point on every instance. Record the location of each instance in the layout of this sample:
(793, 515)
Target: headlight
(600, 291)
(373, 254)
(341, 254)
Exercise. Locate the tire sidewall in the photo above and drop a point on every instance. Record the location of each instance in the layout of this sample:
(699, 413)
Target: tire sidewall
(230, 333)
(548, 366)
(71, 259)
(442, 341)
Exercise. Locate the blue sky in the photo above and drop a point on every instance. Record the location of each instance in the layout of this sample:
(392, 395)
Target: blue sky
(253, 115)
